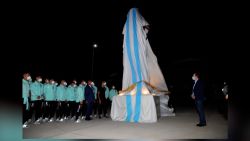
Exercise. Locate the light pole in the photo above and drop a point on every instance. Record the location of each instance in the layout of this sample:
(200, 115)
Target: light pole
(92, 69)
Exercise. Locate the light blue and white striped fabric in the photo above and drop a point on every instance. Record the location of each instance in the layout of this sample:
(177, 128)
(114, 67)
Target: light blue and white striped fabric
(140, 63)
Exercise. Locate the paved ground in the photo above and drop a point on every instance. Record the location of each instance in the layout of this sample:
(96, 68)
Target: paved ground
(182, 126)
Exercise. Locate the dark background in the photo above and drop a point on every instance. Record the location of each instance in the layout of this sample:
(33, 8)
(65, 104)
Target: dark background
(56, 41)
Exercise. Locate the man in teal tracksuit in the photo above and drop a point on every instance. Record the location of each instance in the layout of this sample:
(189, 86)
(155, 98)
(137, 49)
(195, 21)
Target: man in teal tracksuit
(71, 98)
(49, 94)
(113, 92)
(36, 93)
(44, 104)
(61, 98)
(25, 97)
(79, 100)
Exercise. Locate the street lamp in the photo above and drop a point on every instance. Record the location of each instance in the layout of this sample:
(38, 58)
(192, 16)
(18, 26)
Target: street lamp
(92, 69)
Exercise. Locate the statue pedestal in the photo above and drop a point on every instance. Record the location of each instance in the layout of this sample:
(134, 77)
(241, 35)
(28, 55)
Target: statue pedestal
(161, 104)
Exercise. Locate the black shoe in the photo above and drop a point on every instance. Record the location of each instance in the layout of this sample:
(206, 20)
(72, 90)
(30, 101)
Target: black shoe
(200, 124)
(88, 119)
(100, 117)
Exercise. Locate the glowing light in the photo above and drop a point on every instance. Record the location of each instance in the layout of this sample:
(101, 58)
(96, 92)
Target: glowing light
(133, 92)
(121, 94)
(144, 90)
(95, 45)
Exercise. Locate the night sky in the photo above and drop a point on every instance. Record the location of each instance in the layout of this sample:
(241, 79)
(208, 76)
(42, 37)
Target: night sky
(56, 40)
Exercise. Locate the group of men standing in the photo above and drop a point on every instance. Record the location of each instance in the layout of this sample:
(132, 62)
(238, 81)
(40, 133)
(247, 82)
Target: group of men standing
(49, 101)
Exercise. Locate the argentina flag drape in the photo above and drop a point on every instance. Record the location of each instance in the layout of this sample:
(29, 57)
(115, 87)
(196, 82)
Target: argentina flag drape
(139, 62)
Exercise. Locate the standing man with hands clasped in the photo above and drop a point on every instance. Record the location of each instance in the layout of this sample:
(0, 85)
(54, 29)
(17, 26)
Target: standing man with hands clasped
(198, 96)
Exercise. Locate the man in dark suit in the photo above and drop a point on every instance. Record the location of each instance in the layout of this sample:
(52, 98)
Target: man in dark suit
(198, 96)
(103, 103)
(89, 98)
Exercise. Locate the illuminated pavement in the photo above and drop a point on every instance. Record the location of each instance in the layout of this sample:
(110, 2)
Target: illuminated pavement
(182, 126)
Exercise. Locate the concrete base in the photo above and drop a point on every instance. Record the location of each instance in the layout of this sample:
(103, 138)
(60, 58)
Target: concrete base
(162, 109)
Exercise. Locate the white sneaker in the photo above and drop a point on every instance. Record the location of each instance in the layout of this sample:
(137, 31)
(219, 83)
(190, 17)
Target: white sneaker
(25, 126)
(65, 118)
(51, 120)
(37, 122)
(73, 118)
(78, 121)
(57, 119)
(46, 119)
(61, 119)
(40, 118)
(95, 116)
(83, 117)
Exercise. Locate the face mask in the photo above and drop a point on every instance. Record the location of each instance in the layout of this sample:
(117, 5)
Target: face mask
(84, 83)
(40, 80)
(52, 82)
(104, 84)
(92, 83)
(28, 78)
(193, 77)
(113, 87)
(65, 83)
(56, 84)
(74, 85)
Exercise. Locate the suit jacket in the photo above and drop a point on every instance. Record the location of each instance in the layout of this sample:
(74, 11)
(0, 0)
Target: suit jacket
(198, 90)
(89, 94)
(102, 94)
